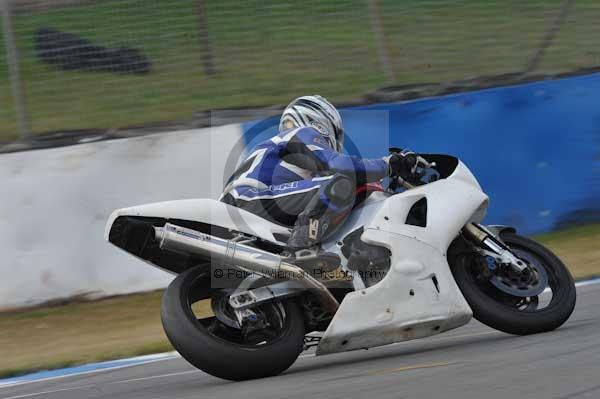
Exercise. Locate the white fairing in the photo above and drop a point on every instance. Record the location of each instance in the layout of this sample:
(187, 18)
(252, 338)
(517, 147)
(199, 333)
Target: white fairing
(205, 211)
(417, 297)
(406, 304)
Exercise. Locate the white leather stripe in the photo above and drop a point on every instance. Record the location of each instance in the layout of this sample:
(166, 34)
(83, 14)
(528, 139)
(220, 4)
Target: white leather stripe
(235, 194)
(313, 147)
(248, 182)
(304, 173)
(321, 178)
(286, 138)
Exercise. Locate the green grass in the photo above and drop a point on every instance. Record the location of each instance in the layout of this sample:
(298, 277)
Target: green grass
(574, 233)
(267, 52)
(75, 360)
(578, 248)
(58, 336)
(50, 337)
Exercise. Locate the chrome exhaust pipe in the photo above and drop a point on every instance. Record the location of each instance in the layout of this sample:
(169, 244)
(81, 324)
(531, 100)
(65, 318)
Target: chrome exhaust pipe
(230, 253)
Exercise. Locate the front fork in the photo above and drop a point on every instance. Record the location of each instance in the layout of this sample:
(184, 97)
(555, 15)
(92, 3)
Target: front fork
(493, 246)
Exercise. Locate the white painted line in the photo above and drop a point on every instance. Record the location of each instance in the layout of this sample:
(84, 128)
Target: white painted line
(588, 282)
(199, 371)
(29, 395)
(154, 377)
(108, 383)
(583, 283)
(136, 361)
(119, 364)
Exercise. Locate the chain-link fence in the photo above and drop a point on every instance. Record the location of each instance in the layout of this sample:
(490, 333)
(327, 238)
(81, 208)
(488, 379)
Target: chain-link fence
(107, 64)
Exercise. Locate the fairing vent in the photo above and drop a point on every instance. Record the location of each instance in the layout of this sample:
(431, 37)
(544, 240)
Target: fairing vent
(417, 216)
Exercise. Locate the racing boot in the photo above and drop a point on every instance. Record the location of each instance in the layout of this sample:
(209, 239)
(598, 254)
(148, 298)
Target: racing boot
(305, 251)
(322, 216)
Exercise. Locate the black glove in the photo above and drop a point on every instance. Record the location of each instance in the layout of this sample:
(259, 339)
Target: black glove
(403, 164)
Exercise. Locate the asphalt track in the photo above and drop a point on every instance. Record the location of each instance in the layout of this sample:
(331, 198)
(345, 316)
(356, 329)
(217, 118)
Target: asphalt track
(471, 362)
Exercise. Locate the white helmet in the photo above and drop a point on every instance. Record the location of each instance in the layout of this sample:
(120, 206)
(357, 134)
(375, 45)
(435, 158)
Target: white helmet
(317, 112)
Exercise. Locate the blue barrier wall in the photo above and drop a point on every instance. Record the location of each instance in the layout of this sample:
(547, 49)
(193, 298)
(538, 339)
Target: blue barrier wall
(535, 148)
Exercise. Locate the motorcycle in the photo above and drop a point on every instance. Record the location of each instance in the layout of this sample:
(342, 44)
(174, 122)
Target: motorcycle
(415, 261)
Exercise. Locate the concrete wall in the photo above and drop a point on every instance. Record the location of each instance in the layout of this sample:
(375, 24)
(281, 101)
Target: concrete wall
(54, 205)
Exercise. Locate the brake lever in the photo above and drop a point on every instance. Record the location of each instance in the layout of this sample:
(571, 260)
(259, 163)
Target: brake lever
(424, 162)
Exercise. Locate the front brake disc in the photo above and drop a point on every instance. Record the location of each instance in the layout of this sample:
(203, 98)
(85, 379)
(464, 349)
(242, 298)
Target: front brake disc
(519, 285)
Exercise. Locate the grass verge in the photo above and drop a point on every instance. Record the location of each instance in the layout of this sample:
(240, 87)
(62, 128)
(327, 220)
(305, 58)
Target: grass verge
(60, 336)
(578, 248)
(269, 51)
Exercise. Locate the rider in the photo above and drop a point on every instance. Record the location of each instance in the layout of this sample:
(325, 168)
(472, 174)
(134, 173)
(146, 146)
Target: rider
(301, 178)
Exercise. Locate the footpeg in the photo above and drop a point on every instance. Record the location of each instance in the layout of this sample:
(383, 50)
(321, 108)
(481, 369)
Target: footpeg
(315, 261)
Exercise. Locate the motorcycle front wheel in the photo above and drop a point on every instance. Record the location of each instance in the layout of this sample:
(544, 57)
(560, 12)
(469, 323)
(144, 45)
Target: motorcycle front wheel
(504, 308)
(220, 347)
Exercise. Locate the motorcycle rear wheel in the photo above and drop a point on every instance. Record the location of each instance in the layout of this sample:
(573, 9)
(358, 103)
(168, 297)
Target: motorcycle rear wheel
(219, 349)
(502, 311)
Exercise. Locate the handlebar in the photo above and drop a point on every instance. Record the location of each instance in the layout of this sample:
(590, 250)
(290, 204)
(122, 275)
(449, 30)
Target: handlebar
(420, 162)
(420, 159)
(424, 162)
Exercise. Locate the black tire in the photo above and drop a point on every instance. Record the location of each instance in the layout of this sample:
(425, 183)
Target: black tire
(500, 316)
(214, 355)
